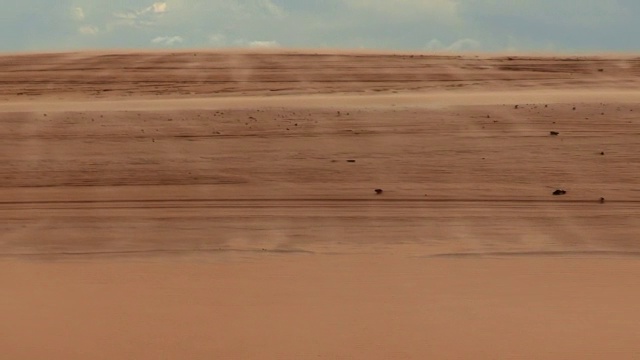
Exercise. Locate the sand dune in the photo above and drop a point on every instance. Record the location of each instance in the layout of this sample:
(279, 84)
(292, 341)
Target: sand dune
(222, 205)
(187, 74)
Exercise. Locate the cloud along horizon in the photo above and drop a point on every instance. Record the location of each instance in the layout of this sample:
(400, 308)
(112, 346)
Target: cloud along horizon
(420, 25)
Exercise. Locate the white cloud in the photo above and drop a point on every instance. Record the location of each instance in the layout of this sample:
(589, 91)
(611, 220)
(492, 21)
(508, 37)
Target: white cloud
(88, 30)
(159, 7)
(460, 45)
(263, 44)
(156, 8)
(77, 14)
(141, 18)
(434, 45)
(272, 9)
(126, 16)
(168, 40)
(217, 39)
(464, 45)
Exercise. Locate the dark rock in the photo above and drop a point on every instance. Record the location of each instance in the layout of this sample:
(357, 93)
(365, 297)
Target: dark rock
(559, 192)
(378, 191)
(554, 133)
(601, 200)
(351, 161)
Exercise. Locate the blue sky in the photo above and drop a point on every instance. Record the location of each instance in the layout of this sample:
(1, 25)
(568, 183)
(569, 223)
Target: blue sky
(443, 25)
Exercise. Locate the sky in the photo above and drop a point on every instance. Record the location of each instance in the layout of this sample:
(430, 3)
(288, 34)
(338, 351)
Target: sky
(407, 25)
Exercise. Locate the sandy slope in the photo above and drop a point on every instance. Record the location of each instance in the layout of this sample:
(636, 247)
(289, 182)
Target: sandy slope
(203, 206)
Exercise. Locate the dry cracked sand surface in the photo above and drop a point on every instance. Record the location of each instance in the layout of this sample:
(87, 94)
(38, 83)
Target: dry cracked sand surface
(221, 205)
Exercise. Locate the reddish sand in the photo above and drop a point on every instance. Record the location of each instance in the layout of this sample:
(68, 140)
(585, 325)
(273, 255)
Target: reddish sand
(203, 205)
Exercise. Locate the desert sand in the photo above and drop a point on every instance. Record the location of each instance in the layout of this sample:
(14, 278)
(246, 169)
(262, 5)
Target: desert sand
(221, 205)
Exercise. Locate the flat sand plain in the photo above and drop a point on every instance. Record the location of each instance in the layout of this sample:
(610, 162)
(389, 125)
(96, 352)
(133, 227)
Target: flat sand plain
(201, 205)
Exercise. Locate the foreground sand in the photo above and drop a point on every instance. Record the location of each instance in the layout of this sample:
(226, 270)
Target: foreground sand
(333, 307)
(176, 206)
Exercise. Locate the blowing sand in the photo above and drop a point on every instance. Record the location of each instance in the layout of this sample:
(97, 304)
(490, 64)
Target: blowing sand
(222, 205)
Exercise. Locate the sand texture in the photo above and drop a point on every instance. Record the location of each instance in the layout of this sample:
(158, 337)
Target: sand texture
(201, 205)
